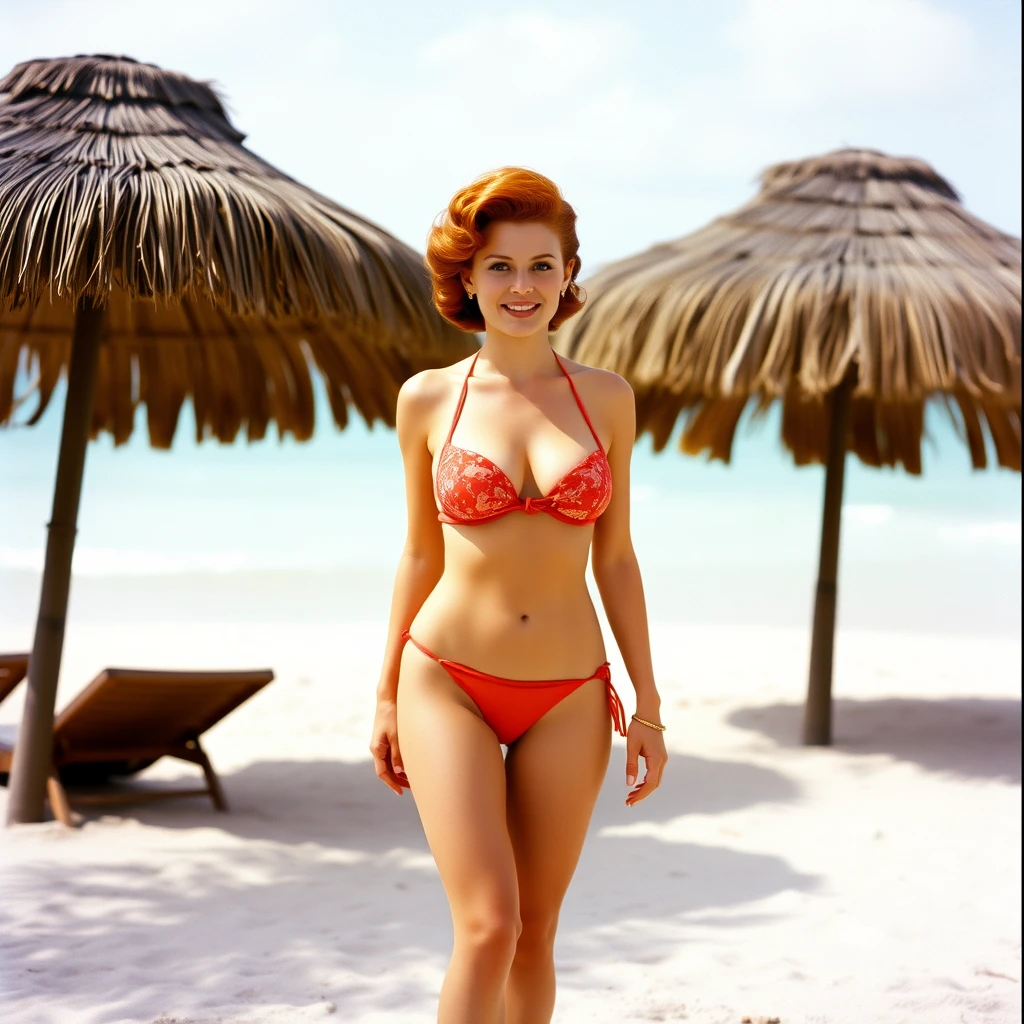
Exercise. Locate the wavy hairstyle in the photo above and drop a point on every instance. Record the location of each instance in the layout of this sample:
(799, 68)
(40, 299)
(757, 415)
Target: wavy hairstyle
(510, 193)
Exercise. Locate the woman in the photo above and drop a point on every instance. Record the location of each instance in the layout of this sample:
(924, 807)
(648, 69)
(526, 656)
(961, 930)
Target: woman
(493, 636)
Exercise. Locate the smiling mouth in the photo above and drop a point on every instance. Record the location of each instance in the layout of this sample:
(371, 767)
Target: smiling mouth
(521, 309)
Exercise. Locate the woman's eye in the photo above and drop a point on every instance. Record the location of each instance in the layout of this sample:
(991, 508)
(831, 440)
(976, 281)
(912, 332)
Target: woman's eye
(537, 266)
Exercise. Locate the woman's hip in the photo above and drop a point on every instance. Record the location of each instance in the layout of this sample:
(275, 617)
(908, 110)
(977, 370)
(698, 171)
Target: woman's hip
(527, 639)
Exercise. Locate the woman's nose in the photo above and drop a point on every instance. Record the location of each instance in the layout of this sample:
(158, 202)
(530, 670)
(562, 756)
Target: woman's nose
(521, 284)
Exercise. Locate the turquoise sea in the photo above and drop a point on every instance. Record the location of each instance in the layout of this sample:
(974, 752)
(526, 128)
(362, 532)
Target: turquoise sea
(280, 531)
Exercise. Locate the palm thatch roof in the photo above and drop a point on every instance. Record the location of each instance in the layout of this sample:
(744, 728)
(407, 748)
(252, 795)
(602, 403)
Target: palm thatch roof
(852, 263)
(223, 279)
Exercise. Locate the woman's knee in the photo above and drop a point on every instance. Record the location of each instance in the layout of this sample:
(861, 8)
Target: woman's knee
(537, 936)
(492, 931)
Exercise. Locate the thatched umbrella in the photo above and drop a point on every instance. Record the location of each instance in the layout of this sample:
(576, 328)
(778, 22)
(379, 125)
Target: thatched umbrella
(149, 256)
(853, 288)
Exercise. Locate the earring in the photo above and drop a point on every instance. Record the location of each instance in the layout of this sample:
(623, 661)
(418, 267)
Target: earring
(470, 295)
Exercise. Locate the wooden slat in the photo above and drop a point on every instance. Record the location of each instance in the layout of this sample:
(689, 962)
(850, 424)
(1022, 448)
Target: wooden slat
(88, 755)
(13, 668)
(136, 795)
(122, 708)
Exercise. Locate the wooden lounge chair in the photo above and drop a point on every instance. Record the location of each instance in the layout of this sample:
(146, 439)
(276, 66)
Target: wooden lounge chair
(13, 668)
(126, 719)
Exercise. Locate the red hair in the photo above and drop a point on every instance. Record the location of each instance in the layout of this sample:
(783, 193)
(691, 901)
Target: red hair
(511, 193)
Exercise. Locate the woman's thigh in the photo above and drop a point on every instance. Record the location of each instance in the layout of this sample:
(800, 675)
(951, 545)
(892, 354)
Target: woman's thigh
(454, 765)
(554, 774)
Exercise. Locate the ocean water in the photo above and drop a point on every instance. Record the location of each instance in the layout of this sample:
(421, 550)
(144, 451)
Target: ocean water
(277, 530)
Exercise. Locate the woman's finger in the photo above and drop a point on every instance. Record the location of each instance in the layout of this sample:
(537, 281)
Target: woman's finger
(380, 749)
(642, 792)
(385, 776)
(632, 760)
(651, 780)
(396, 756)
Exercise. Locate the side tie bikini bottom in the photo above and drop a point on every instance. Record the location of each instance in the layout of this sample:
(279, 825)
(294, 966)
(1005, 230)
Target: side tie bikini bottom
(511, 706)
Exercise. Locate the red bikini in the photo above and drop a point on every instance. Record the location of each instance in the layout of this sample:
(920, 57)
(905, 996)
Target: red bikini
(511, 706)
(471, 490)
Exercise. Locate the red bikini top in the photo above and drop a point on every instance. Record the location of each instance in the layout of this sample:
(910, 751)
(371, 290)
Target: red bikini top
(470, 489)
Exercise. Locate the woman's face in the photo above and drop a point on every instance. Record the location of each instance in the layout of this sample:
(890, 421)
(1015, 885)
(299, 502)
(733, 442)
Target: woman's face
(518, 277)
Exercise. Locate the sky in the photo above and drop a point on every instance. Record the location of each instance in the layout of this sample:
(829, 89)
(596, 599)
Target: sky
(653, 116)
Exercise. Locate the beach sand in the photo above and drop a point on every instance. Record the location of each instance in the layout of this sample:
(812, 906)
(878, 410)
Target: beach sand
(875, 881)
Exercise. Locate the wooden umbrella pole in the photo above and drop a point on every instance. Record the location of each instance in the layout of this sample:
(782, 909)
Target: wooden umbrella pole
(33, 750)
(818, 709)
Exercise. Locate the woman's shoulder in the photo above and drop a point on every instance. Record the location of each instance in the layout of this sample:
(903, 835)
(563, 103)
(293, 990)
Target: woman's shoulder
(602, 385)
(425, 389)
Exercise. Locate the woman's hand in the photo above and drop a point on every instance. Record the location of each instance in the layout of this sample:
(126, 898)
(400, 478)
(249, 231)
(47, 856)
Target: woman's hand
(643, 741)
(387, 759)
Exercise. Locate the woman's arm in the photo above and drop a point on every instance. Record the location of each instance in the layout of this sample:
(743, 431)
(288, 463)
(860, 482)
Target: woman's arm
(617, 575)
(614, 563)
(420, 566)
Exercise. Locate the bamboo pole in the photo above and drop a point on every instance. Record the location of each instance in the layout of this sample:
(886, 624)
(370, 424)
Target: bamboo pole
(818, 709)
(33, 751)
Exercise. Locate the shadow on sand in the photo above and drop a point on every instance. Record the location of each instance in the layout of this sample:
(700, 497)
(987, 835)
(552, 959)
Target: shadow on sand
(970, 737)
(333, 895)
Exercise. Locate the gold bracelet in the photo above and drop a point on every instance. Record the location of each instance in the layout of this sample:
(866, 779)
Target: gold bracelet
(652, 725)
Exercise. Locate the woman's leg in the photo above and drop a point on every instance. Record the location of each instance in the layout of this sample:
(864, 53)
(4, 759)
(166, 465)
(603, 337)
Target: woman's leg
(554, 773)
(453, 762)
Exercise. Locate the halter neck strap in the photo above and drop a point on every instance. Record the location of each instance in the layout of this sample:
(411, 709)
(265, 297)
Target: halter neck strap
(462, 399)
(565, 373)
(579, 401)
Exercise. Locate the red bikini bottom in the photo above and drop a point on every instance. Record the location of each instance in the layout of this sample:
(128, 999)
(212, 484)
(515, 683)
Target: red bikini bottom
(511, 706)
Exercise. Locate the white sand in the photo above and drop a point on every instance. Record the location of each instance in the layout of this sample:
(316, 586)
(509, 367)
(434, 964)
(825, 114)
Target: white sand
(876, 881)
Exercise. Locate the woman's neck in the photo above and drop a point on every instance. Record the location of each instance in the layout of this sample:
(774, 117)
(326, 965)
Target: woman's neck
(518, 359)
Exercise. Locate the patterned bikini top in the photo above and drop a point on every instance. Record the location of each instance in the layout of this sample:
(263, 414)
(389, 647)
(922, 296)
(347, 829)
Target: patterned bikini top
(470, 489)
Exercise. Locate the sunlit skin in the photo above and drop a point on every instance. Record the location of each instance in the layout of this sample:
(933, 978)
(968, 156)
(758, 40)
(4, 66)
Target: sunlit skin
(510, 598)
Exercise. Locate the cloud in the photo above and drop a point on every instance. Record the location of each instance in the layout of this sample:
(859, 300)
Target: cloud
(527, 53)
(809, 52)
(557, 94)
(562, 98)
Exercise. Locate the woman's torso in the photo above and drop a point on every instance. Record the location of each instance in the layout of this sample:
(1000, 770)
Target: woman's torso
(512, 600)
